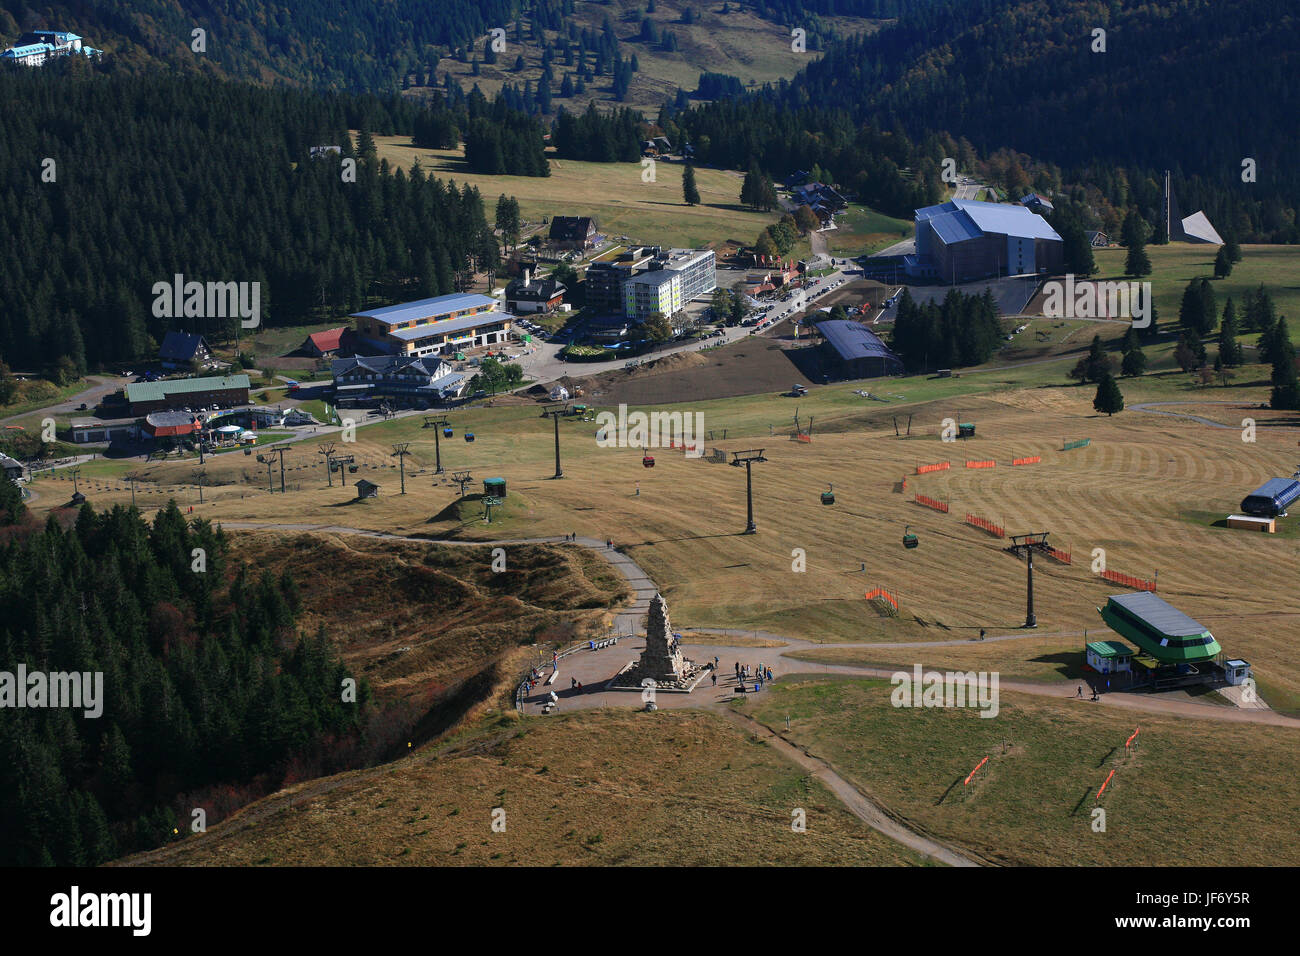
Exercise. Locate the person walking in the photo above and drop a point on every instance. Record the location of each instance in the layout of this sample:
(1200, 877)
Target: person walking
(981, 633)
(715, 678)
(1079, 693)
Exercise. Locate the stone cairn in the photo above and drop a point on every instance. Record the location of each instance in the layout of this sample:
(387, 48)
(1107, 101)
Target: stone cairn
(660, 661)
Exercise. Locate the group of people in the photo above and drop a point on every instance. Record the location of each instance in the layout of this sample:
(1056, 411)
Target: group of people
(745, 673)
(575, 685)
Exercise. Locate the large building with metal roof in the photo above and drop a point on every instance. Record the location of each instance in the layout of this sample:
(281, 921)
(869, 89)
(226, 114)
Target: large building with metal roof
(965, 239)
(436, 326)
(853, 351)
(220, 390)
(1160, 629)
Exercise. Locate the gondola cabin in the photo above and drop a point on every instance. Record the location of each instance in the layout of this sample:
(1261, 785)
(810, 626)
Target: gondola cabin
(469, 436)
(446, 433)
(648, 461)
(909, 539)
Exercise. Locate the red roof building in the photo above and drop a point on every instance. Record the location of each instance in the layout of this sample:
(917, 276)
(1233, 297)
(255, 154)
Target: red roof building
(170, 424)
(324, 343)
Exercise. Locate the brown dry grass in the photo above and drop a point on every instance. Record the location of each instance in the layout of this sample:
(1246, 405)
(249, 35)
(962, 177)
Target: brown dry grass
(597, 788)
(1132, 493)
(417, 619)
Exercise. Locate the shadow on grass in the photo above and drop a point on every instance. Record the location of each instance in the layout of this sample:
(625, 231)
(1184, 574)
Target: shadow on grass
(1069, 664)
(951, 787)
(690, 537)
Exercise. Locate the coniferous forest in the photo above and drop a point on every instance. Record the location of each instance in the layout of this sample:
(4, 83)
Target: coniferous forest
(118, 182)
(210, 697)
(962, 330)
(1205, 86)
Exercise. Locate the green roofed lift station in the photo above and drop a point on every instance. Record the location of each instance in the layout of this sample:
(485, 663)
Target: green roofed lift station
(1174, 649)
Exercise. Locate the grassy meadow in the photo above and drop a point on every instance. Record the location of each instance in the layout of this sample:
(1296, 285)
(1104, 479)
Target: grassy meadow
(1032, 804)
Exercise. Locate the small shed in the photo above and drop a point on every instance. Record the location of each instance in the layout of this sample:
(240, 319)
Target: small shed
(78, 498)
(367, 489)
(1236, 672)
(494, 487)
(1253, 523)
(1109, 657)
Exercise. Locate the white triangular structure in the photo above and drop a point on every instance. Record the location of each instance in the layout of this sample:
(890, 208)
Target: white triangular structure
(1197, 228)
(1194, 228)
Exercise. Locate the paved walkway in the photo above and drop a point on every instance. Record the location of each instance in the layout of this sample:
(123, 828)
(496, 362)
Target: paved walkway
(1157, 408)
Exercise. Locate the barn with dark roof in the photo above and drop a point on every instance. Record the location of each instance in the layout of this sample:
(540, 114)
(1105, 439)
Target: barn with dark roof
(851, 350)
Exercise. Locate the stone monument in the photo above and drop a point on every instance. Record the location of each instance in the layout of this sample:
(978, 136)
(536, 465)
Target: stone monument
(662, 660)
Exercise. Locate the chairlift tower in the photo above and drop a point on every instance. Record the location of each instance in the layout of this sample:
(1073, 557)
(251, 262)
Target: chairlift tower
(1027, 544)
(554, 412)
(462, 478)
(277, 450)
(747, 458)
(400, 451)
(437, 423)
(268, 460)
(327, 449)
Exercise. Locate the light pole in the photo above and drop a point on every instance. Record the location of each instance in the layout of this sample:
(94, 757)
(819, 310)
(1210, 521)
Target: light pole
(747, 458)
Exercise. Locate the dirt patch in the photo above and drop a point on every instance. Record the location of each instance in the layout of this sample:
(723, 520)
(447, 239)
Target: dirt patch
(747, 367)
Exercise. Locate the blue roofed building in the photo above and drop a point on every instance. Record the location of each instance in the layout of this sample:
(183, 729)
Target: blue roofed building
(438, 326)
(36, 47)
(965, 239)
(852, 350)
